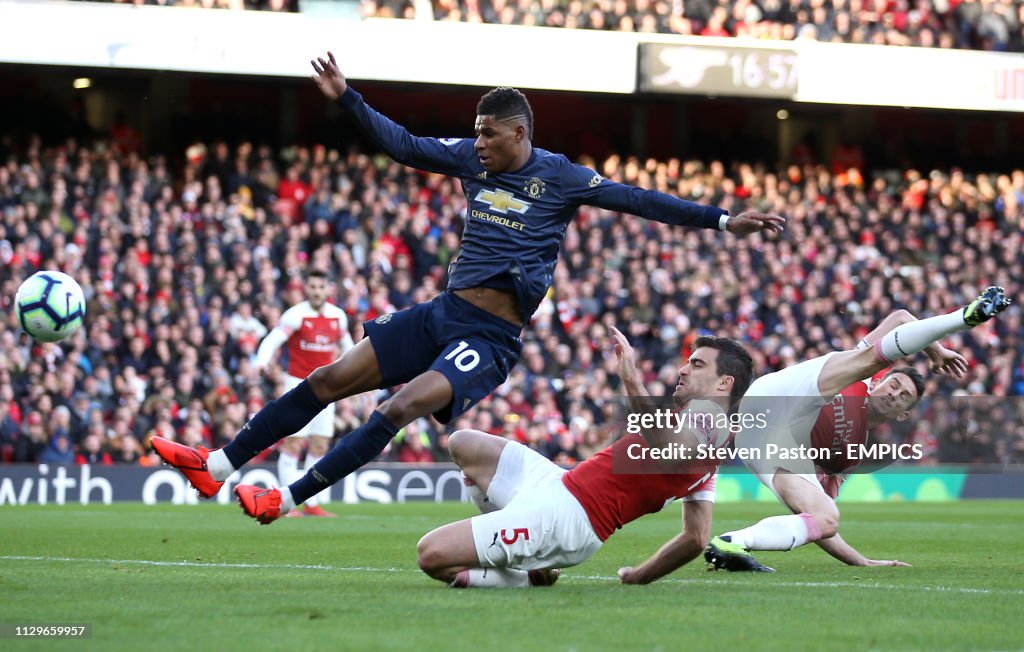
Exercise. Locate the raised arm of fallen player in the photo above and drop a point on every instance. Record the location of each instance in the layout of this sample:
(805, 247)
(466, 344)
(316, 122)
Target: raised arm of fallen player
(639, 399)
(637, 396)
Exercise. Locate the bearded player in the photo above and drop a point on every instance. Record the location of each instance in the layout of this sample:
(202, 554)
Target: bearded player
(828, 403)
(538, 517)
(316, 333)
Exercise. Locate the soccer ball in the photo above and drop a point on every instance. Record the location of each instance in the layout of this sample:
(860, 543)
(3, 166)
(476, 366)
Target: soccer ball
(50, 306)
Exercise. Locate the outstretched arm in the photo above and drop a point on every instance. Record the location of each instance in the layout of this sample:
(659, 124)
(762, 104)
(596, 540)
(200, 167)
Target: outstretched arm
(586, 186)
(678, 551)
(632, 385)
(847, 554)
(269, 346)
(429, 154)
(639, 399)
(835, 545)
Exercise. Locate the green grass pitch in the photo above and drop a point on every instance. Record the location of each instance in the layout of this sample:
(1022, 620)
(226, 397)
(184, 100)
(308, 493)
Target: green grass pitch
(207, 578)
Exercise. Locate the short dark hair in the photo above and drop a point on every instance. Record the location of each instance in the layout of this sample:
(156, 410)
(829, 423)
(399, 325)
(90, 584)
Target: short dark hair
(504, 103)
(316, 273)
(913, 374)
(733, 360)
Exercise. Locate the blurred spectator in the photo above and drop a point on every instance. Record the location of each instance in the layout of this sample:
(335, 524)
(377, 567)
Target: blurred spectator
(92, 452)
(414, 444)
(59, 451)
(32, 441)
(8, 433)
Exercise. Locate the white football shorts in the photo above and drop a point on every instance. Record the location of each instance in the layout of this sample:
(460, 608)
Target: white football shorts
(787, 402)
(539, 524)
(322, 424)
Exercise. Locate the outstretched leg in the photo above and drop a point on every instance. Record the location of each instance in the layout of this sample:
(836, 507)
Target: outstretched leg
(814, 517)
(421, 396)
(355, 372)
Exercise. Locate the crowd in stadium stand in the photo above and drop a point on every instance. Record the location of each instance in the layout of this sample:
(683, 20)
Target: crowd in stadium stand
(260, 5)
(968, 24)
(185, 270)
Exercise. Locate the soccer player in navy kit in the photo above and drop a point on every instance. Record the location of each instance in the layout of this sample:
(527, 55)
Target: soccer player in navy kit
(454, 350)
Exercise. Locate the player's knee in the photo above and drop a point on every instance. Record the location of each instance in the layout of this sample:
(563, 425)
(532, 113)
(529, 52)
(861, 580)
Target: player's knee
(456, 443)
(323, 381)
(459, 444)
(429, 556)
(403, 408)
(903, 317)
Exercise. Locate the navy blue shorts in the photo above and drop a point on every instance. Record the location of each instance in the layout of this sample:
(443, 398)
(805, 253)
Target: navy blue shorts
(474, 349)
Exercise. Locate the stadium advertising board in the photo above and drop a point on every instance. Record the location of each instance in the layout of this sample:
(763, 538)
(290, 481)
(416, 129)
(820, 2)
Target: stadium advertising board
(42, 484)
(24, 484)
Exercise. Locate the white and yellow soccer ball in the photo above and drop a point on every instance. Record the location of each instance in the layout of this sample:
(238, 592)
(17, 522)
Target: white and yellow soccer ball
(50, 305)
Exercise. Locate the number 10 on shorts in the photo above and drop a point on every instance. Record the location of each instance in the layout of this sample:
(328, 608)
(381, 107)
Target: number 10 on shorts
(466, 359)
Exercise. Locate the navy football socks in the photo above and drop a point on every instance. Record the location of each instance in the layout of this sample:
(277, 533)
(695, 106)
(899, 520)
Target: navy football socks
(278, 419)
(354, 450)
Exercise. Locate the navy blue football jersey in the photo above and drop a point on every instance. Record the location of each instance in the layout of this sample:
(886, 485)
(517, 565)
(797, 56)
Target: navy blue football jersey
(516, 220)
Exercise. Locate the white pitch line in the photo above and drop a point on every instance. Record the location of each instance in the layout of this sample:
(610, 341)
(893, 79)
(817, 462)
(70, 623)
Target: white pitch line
(600, 578)
(203, 564)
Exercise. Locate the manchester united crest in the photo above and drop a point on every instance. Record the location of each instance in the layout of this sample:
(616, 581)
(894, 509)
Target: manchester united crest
(534, 187)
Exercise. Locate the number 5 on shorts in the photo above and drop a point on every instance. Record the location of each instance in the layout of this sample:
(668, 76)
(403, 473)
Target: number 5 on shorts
(509, 540)
(466, 359)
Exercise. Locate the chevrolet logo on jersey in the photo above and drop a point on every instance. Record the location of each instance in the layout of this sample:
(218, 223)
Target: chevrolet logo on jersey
(502, 201)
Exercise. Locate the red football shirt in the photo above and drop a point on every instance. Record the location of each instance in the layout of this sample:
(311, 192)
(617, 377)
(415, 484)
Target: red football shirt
(313, 336)
(843, 421)
(612, 499)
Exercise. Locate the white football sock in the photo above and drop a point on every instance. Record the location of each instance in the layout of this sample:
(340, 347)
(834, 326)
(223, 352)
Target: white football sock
(916, 336)
(312, 501)
(219, 466)
(287, 468)
(497, 578)
(287, 502)
(777, 533)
